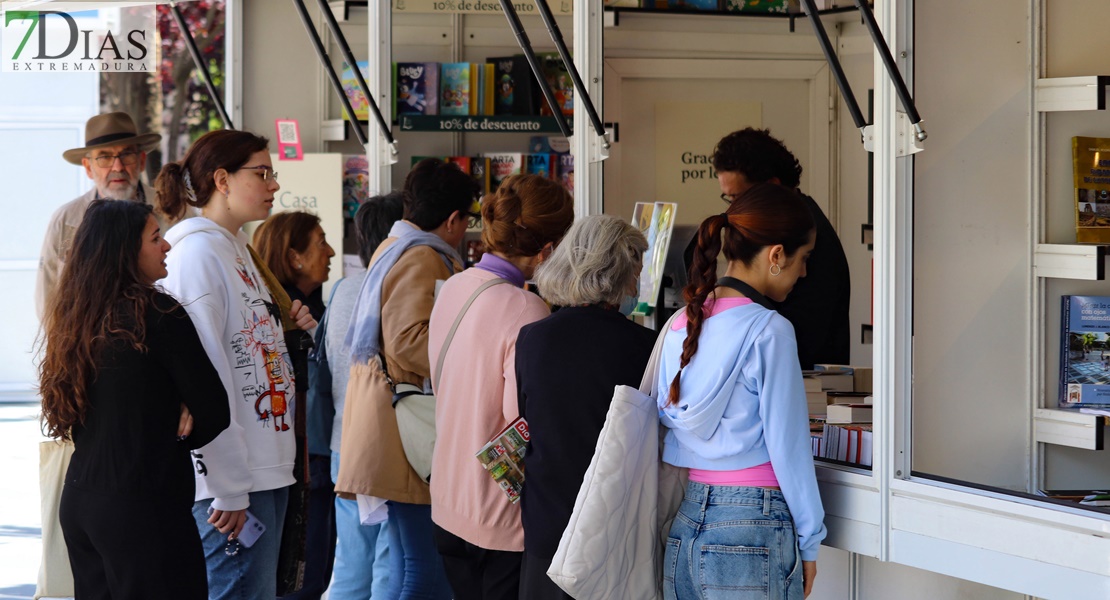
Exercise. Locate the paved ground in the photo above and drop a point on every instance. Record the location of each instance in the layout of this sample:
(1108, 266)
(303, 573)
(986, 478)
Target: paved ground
(20, 523)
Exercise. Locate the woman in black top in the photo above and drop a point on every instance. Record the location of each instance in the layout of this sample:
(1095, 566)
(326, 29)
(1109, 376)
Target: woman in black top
(566, 368)
(125, 377)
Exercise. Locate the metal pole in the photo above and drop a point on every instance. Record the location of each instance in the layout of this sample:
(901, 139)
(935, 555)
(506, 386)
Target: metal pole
(337, 87)
(526, 46)
(834, 64)
(891, 68)
(350, 58)
(202, 68)
(580, 88)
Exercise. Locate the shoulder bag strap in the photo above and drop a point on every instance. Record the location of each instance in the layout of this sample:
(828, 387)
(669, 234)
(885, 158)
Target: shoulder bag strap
(651, 372)
(455, 325)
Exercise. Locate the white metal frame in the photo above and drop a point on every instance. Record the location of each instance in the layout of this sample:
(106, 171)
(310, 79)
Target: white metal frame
(1003, 541)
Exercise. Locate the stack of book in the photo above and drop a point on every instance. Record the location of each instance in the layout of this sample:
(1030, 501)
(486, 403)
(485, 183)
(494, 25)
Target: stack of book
(840, 406)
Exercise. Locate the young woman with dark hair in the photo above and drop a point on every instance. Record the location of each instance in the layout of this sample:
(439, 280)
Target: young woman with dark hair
(124, 375)
(228, 176)
(478, 532)
(736, 409)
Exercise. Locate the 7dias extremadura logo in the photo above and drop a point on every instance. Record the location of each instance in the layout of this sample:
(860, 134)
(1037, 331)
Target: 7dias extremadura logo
(104, 40)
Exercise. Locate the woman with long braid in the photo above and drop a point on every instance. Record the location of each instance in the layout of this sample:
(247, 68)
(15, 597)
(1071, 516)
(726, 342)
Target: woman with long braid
(735, 408)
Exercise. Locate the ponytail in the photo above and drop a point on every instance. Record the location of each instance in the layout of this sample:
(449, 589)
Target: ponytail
(703, 280)
(169, 190)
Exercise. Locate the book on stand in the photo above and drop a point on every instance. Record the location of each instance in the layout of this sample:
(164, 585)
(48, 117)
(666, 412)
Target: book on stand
(1091, 171)
(454, 86)
(503, 458)
(417, 88)
(515, 90)
(1084, 355)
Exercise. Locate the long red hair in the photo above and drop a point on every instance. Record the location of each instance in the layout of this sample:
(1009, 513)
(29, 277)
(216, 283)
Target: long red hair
(767, 214)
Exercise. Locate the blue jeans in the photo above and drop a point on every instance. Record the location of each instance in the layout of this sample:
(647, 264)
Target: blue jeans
(236, 572)
(732, 542)
(416, 569)
(362, 557)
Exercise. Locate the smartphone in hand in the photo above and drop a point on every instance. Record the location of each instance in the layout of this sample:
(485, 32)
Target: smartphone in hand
(252, 529)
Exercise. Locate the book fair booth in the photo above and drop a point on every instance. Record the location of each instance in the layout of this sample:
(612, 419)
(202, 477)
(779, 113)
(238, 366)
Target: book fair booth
(958, 148)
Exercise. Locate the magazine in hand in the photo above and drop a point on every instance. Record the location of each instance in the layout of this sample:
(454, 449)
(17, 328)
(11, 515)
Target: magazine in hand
(503, 457)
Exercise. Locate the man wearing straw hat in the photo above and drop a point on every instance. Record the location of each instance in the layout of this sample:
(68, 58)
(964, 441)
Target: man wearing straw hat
(114, 156)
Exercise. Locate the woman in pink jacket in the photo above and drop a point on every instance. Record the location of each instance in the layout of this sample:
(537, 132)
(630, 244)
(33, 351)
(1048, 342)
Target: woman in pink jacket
(478, 530)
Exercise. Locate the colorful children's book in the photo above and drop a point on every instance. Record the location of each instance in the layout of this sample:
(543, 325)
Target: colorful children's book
(503, 457)
(501, 165)
(417, 88)
(514, 86)
(538, 164)
(356, 183)
(1091, 168)
(454, 86)
(354, 93)
(558, 78)
(1084, 355)
(566, 170)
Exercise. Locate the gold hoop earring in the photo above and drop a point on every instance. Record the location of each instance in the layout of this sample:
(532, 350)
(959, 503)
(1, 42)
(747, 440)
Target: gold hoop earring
(775, 269)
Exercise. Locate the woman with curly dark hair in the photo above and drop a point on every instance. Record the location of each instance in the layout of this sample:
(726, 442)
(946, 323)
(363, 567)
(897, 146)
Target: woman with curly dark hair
(125, 377)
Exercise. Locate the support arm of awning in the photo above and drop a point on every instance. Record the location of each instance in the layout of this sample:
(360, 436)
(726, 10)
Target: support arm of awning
(349, 56)
(582, 95)
(336, 85)
(537, 70)
(202, 68)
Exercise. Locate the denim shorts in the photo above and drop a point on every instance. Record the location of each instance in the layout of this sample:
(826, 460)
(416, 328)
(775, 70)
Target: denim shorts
(732, 542)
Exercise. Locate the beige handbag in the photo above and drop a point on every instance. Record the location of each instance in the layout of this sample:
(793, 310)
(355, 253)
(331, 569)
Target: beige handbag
(55, 576)
(612, 548)
(416, 411)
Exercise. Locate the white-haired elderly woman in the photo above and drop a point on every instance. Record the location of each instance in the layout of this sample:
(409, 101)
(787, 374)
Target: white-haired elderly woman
(566, 367)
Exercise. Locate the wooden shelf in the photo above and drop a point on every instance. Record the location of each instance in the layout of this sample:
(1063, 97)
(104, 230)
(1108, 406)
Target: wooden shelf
(1070, 261)
(1071, 93)
(1068, 428)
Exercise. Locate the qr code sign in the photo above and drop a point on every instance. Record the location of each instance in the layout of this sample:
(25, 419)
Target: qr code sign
(287, 132)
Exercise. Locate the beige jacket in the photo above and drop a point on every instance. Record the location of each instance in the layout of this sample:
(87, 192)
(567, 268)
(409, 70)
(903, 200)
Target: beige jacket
(59, 237)
(372, 461)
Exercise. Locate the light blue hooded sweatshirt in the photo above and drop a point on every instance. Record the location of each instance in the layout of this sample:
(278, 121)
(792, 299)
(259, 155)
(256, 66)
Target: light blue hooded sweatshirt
(742, 403)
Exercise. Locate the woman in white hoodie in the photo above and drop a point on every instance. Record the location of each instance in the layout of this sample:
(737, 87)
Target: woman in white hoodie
(229, 177)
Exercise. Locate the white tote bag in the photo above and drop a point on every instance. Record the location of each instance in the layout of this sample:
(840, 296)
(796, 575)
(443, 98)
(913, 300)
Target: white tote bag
(612, 548)
(55, 576)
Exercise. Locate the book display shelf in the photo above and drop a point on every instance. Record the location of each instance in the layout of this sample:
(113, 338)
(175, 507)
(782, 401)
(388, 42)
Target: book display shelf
(419, 31)
(1062, 266)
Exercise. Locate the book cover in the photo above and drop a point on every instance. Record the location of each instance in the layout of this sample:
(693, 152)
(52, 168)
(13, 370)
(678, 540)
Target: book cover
(503, 458)
(488, 87)
(549, 144)
(354, 93)
(566, 171)
(1084, 355)
(501, 165)
(515, 88)
(558, 79)
(454, 85)
(475, 89)
(479, 170)
(417, 88)
(1091, 170)
(701, 4)
(356, 183)
(538, 164)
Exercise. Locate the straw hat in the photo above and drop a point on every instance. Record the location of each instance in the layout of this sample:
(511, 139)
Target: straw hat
(111, 129)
